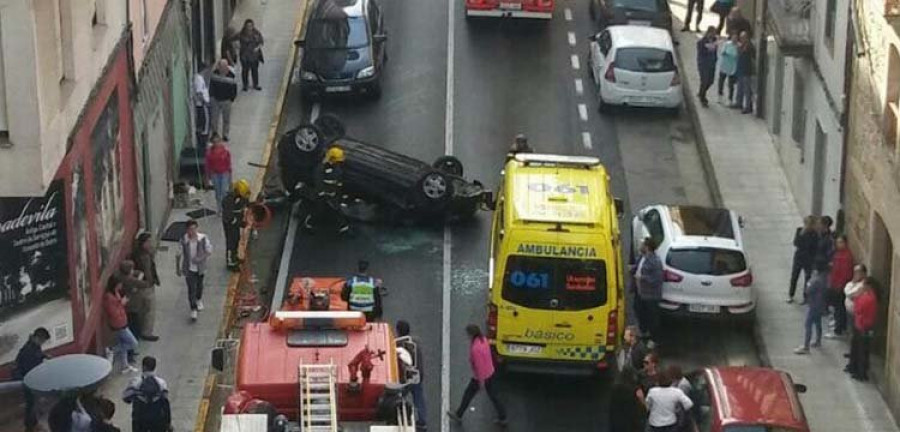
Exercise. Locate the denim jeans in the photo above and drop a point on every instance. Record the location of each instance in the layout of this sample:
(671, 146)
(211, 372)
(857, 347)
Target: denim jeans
(745, 93)
(195, 288)
(418, 395)
(813, 319)
(221, 183)
(125, 341)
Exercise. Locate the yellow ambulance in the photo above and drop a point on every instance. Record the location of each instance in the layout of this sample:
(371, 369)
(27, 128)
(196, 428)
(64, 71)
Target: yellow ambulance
(556, 276)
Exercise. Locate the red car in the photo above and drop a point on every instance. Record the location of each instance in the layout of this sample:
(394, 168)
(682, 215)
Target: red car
(746, 399)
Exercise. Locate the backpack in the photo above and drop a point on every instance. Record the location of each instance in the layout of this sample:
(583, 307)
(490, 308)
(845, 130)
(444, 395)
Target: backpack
(151, 405)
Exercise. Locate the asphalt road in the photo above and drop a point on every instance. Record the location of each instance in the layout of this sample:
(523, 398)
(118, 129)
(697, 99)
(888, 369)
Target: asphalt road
(509, 77)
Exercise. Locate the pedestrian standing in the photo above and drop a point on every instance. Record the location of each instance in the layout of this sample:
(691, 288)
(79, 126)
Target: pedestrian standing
(853, 289)
(840, 274)
(417, 389)
(483, 376)
(114, 306)
(736, 23)
(692, 6)
(631, 353)
(228, 49)
(362, 292)
(251, 42)
(815, 294)
(728, 55)
(106, 410)
(648, 376)
(648, 283)
(721, 8)
(133, 287)
(665, 404)
(825, 246)
(865, 314)
(218, 168)
(191, 261)
(201, 110)
(29, 357)
(707, 51)
(222, 92)
(806, 240)
(744, 74)
(626, 403)
(145, 262)
(234, 204)
(148, 395)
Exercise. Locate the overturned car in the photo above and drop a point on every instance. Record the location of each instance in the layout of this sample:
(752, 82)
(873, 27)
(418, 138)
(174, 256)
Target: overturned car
(402, 187)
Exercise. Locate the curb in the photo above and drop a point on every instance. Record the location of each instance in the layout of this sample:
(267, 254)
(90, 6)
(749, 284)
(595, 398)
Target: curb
(713, 184)
(256, 187)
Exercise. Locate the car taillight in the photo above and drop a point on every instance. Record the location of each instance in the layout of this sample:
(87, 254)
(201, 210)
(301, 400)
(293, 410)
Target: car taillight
(676, 80)
(670, 276)
(610, 74)
(612, 327)
(743, 281)
(492, 321)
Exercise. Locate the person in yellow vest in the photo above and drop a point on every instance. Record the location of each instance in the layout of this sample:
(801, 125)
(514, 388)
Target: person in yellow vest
(363, 292)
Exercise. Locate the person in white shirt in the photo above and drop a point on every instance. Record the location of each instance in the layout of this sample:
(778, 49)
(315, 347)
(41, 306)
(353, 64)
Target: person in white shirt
(664, 403)
(190, 262)
(854, 288)
(201, 110)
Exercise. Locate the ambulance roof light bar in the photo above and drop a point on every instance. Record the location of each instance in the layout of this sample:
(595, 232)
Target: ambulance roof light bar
(549, 159)
(319, 319)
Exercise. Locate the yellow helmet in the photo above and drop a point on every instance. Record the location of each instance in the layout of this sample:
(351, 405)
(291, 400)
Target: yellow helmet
(334, 155)
(242, 188)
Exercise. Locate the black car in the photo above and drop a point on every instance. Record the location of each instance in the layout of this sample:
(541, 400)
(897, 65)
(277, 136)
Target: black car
(378, 175)
(344, 49)
(654, 13)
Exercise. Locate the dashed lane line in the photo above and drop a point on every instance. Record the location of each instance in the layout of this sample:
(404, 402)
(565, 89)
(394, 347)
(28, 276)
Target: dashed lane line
(586, 140)
(576, 63)
(571, 39)
(568, 14)
(579, 87)
(582, 112)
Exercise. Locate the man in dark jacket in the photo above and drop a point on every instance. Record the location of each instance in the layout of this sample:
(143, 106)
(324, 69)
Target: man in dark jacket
(28, 358)
(148, 395)
(744, 74)
(706, 62)
(648, 280)
(222, 91)
(135, 287)
(815, 295)
(805, 242)
(233, 206)
(631, 353)
(329, 192)
(736, 23)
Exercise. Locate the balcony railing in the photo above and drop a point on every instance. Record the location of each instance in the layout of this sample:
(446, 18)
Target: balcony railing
(791, 25)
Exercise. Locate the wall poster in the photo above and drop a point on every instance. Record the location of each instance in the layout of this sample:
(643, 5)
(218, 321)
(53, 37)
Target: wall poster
(34, 276)
(79, 225)
(107, 181)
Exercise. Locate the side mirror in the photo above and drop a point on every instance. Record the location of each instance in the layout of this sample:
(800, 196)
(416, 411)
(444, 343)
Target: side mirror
(489, 202)
(299, 43)
(218, 359)
(741, 221)
(379, 38)
(620, 207)
(592, 37)
(799, 388)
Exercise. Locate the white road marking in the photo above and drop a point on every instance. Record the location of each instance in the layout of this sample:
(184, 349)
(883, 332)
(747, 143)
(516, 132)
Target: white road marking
(579, 87)
(568, 13)
(572, 38)
(445, 288)
(582, 112)
(586, 140)
(576, 64)
(314, 112)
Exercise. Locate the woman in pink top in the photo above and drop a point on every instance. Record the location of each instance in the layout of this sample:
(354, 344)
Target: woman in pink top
(483, 376)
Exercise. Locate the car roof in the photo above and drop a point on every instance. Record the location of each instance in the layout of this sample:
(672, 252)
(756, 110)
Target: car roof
(631, 36)
(535, 197)
(756, 395)
(702, 226)
(338, 9)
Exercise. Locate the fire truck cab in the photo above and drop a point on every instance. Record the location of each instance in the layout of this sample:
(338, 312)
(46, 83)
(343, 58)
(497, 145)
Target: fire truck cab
(538, 9)
(316, 367)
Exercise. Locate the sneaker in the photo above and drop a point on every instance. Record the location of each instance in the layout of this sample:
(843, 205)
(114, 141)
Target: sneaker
(801, 350)
(129, 369)
(454, 417)
(199, 305)
(257, 88)
(685, 29)
(150, 338)
(817, 344)
(831, 335)
(193, 315)
(790, 300)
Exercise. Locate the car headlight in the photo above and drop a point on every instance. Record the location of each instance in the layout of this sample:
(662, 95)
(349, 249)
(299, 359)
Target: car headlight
(308, 76)
(366, 73)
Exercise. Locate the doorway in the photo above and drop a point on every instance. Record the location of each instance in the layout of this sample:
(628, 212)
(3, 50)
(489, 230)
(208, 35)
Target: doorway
(881, 268)
(820, 158)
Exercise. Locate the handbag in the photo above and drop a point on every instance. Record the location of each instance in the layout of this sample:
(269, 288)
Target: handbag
(719, 8)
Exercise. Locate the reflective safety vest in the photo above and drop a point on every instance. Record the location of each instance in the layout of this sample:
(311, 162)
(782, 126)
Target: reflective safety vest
(362, 293)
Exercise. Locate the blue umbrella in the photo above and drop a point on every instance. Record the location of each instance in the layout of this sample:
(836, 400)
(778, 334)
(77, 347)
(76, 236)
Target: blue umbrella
(70, 372)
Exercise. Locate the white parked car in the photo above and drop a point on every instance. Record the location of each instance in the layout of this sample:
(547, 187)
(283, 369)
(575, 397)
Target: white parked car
(705, 269)
(635, 65)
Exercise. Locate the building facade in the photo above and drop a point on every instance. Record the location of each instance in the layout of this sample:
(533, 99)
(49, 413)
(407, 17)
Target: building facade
(804, 101)
(70, 214)
(873, 173)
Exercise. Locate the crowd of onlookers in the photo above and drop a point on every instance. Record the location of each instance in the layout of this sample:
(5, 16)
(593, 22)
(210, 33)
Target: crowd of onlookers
(835, 287)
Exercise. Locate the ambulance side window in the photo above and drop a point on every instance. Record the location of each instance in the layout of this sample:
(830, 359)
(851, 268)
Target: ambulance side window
(653, 222)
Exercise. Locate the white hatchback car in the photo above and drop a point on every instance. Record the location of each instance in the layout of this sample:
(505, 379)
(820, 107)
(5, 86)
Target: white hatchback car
(635, 65)
(705, 269)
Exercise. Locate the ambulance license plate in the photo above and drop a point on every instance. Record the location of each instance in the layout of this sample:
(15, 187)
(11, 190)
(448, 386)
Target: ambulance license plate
(523, 349)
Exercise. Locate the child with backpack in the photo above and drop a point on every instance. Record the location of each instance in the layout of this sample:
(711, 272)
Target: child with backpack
(149, 399)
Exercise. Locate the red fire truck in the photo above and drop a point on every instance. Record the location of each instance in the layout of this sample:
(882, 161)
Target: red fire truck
(313, 366)
(539, 9)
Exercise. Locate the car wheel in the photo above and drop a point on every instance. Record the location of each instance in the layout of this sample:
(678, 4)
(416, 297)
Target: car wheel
(331, 127)
(435, 187)
(307, 138)
(449, 165)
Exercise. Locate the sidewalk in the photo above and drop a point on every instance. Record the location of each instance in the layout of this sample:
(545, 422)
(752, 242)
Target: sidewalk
(748, 178)
(183, 351)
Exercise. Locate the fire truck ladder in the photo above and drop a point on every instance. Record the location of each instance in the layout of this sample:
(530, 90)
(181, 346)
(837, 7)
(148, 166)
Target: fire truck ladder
(318, 399)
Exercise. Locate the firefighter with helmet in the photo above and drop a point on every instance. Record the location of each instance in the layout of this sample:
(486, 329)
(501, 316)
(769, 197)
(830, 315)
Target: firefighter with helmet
(234, 205)
(362, 292)
(327, 199)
